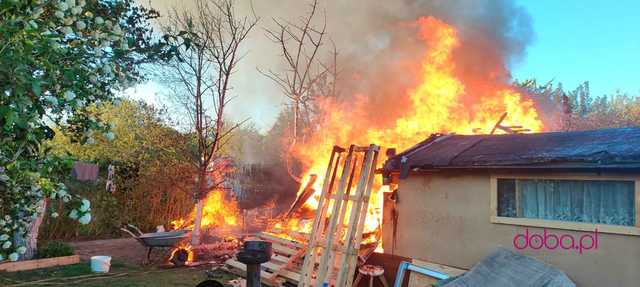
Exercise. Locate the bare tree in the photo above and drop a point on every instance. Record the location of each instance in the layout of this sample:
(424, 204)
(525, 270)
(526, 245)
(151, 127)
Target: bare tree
(201, 82)
(301, 43)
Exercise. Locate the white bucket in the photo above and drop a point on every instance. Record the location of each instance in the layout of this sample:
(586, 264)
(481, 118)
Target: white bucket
(100, 264)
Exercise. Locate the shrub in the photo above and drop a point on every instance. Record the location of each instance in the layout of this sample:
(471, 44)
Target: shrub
(55, 249)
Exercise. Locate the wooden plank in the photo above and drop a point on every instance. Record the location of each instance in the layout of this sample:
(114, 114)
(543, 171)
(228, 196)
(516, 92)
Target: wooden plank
(39, 263)
(240, 269)
(345, 197)
(283, 241)
(283, 263)
(265, 276)
(329, 257)
(357, 220)
(325, 265)
(279, 258)
(416, 279)
(283, 272)
(299, 237)
(318, 222)
(289, 264)
(283, 249)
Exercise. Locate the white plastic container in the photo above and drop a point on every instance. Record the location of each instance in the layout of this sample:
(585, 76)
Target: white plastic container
(100, 264)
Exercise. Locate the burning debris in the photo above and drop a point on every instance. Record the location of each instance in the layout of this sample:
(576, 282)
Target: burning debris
(336, 230)
(442, 102)
(218, 212)
(439, 103)
(338, 226)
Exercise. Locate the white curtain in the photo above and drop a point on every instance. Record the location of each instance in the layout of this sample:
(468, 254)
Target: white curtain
(603, 202)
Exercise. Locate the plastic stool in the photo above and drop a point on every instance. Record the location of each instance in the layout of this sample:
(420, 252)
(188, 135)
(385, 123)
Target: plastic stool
(373, 271)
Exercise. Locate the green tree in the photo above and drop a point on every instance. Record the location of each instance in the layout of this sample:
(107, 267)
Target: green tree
(56, 59)
(153, 174)
(578, 109)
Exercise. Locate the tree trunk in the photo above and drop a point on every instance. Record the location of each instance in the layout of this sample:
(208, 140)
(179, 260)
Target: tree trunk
(31, 240)
(200, 196)
(296, 115)
(195, 234)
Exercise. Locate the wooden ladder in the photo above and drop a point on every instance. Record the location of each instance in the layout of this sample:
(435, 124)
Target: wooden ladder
(331, 255)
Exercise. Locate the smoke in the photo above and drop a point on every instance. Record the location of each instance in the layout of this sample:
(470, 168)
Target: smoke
(379, 53)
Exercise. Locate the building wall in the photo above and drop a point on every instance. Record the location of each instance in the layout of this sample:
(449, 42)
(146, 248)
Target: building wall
(446, 219)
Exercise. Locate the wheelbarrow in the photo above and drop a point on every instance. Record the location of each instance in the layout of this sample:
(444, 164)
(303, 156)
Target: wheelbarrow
(156, 239)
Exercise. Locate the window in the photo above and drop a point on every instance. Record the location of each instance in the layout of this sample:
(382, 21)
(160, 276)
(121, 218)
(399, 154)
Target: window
(610, 202)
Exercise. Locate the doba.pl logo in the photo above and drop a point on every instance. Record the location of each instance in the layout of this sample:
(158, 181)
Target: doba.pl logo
(552, 241)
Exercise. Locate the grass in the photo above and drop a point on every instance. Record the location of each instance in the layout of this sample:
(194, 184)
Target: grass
(121, 274)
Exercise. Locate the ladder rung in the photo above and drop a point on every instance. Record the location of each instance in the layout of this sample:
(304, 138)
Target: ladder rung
(350, 197)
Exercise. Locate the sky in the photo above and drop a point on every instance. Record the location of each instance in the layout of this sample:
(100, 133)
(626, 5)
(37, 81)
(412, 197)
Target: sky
(574, 41)
(584, 40)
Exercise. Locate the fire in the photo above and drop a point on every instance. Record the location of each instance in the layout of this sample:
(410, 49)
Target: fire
(182, 254)
(440, 103)
(217, 212)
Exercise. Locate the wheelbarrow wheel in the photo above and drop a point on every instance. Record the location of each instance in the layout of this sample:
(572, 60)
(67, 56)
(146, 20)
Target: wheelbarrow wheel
(210, 283)
(180, 257)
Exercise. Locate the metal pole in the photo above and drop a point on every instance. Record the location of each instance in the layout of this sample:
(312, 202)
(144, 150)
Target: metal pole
(253, 275)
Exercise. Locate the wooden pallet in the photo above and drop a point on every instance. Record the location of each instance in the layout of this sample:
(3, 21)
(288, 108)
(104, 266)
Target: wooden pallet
(331, 256)
(336, 235)
(284, 265)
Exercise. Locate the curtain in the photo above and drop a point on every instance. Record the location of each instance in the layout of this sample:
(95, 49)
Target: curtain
(590, 201)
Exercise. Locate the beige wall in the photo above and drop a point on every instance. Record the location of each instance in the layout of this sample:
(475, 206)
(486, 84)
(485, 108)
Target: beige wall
(446, 219)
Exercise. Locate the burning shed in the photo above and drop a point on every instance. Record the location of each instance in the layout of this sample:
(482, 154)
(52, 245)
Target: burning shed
(570, 199)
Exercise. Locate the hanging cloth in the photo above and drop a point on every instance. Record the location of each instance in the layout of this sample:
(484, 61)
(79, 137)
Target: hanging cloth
(84, 171)
(110, 186)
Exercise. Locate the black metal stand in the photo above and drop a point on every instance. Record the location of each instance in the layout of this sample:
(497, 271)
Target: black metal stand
(253, 254)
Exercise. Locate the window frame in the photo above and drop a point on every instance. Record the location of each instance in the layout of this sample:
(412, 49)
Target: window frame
(565, 225)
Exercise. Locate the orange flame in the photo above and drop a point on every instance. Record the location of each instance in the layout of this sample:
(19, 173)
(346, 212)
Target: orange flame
(217, 211)
(185, 247)
(439, 103)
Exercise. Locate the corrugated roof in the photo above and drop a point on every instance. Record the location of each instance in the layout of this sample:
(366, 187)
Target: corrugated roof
(605, 148)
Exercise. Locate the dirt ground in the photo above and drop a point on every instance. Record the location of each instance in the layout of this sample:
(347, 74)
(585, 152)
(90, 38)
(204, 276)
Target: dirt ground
(124, 250)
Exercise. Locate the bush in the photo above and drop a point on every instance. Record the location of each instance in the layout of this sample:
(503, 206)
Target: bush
(55, 249)
(153, 175)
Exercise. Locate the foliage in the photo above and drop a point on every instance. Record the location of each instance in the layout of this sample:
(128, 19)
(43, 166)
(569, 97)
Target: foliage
(56, 59)
(153, 171)
(55, 249)
(580, 110)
